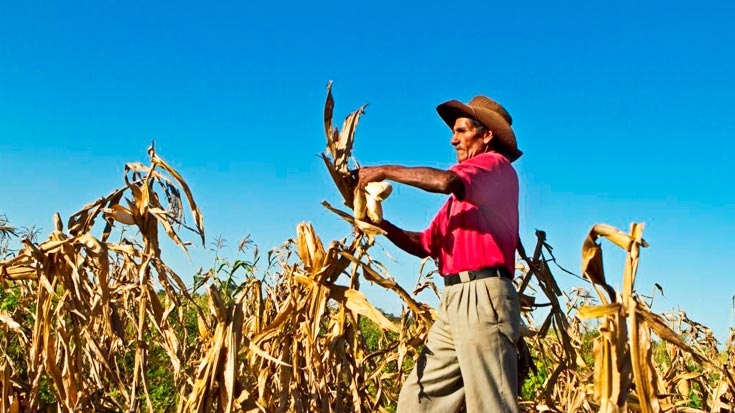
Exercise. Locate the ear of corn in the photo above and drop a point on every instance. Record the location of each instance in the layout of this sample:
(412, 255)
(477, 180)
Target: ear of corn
(367, 202)
(379, 190)
(374, 209)
(360, 204)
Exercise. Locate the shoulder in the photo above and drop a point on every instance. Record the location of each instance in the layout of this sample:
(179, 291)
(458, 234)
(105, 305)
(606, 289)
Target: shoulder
(486, 161)
(491, 158)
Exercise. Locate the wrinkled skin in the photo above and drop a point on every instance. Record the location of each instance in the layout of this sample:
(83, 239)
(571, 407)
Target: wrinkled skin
(468, 140)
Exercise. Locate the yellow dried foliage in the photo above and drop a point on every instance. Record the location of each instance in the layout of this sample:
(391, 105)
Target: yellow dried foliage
(96, 308)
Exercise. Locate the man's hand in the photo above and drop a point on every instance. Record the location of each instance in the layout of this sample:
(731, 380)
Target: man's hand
(368, 174)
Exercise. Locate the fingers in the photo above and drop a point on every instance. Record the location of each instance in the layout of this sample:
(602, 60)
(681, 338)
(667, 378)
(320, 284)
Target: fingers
(365, 175)
(360, 176)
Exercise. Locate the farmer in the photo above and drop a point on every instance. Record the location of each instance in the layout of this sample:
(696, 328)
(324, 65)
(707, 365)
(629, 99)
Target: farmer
(470, 353)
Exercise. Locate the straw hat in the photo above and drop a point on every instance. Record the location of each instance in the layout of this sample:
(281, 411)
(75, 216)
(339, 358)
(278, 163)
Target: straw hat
(488, 112)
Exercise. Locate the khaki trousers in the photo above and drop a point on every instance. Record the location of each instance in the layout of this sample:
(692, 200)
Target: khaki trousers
(470, 356)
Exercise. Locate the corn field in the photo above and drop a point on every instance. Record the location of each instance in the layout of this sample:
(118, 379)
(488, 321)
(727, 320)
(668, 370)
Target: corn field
(93, 320)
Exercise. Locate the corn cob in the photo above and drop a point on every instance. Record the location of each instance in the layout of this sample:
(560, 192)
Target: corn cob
(379, 190)
(367, 202)
(359, 204)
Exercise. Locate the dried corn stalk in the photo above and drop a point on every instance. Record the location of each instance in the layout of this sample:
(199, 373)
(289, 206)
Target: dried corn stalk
(87, 303)
(624, 367)
(86, 316)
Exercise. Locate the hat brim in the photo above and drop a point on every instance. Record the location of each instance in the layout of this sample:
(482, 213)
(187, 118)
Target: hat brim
(452, 110)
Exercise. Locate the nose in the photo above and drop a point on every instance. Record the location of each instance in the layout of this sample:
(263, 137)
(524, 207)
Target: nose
(455, 140)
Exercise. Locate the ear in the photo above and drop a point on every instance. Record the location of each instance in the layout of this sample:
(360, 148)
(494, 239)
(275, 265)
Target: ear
(487, 136)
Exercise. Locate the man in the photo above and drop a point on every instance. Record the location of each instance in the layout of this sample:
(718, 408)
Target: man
(470, 353)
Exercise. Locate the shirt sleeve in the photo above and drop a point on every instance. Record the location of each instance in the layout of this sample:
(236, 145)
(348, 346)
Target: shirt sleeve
(471, 171)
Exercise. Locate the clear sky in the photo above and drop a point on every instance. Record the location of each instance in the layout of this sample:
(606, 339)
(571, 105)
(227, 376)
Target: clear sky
(623, 109)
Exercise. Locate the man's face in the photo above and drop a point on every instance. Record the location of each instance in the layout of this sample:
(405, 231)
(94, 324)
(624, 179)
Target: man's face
(468, 140)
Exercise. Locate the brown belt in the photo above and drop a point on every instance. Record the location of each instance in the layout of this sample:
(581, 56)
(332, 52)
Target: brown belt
(467, 276)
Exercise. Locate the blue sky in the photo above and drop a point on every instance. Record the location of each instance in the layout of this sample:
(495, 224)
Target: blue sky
(623, 109)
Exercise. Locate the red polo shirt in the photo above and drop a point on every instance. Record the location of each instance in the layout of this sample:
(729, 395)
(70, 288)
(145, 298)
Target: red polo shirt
(482, 229)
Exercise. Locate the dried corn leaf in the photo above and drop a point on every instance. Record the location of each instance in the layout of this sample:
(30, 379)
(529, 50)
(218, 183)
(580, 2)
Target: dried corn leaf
(358, 303)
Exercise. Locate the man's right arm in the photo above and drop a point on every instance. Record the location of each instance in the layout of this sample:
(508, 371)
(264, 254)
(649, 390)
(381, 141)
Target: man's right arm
(428, 179)
(408, 241)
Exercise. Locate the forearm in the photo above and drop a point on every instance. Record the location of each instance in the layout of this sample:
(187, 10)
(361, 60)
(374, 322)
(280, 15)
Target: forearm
(428, 179)
(406, 240)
